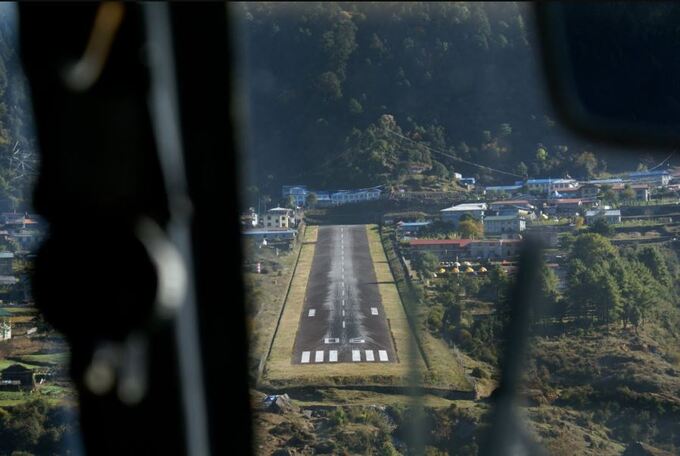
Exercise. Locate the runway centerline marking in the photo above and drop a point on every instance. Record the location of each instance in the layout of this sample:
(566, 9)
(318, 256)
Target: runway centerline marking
(333, 356)
(369, 355)
(374, 311)
(312, 312)
(343, 323)
(383, 355)
(319, 356)
(356, 355)
(305, 357)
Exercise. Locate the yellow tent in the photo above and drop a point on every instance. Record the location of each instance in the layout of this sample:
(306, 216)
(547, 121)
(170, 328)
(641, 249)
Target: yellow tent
(482, 269)
(455, 270)
(469, 269)
(442, 270)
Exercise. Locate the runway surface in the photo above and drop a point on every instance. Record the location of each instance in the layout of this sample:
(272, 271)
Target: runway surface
(343, 320)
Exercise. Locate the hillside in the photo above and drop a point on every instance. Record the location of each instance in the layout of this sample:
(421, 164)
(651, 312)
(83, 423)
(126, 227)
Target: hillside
(354, 94)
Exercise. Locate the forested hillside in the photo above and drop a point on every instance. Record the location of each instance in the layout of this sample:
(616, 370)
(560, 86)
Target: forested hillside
(326, 85)
(18, 159)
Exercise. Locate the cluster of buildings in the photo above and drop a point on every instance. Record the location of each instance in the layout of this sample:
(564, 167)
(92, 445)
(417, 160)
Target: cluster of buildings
(325, 198)
(640, 181)
(523, 204)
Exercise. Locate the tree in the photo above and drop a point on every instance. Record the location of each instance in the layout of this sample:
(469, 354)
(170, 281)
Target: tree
(330, 86)
(541, 154)
(355, 107)
(522, 169)
(587, 162)
(651, 257)
(425, 263)
(311, 199)
(470, 229)
(592, 248)
(628, 193)
(439, 170)
(602, 227)
(290, 202)
(579, 221)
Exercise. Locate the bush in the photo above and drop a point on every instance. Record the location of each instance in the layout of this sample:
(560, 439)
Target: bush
(478, 372)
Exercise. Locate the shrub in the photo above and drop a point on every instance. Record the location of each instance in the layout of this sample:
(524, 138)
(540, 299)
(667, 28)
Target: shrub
(478, 372)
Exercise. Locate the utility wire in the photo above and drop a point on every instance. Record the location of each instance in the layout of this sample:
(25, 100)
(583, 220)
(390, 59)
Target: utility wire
(455, 158)
(662, 162)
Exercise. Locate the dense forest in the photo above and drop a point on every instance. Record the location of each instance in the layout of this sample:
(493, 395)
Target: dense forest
(351, 94)
(18, 146)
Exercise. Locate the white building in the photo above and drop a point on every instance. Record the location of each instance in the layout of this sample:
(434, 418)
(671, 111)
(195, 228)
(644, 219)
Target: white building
(550, 185)
(454, 213)
(611, 216)
(278, 217)
(498, 224)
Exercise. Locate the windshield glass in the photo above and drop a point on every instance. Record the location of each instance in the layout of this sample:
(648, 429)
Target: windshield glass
(397, 156)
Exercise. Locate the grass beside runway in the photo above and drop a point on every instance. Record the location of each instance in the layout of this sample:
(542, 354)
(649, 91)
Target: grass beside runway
(279, 370)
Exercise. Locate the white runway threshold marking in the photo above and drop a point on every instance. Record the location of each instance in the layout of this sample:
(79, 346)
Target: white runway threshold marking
(383, 355)
(319, 356)
(333, 356)
(312, 312)
(369, 355)
(374, 311)
(356, 355)
(305, 357)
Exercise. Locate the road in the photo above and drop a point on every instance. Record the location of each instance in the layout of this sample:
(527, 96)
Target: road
(343, 320)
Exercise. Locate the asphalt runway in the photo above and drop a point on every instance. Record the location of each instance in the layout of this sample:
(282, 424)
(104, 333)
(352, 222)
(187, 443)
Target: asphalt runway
(343, 320)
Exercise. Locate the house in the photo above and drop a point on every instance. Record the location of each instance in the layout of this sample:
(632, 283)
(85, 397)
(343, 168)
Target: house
(353, 196)
(459, 249)
(454, 213)
(611, 216)
(28, 240)
(467, 180)
(511, 204)
(659, 177)
(278, 217)
(564, 206)
(497, 224)
(641, 191)
(17, 377)
(298, 192)
(260, 235)
(250, 218)
(444, 249)
(498, 189)
(410, 228)
(550, 185)
(6, 263)
(330, 197)
(589, 190)
(494, 249)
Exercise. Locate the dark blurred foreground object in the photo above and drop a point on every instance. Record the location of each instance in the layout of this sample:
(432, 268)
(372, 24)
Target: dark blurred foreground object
(141, 268)
(614, 69)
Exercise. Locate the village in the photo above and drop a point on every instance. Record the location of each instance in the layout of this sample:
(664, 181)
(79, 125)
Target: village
(33, 357)
(637, 206)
